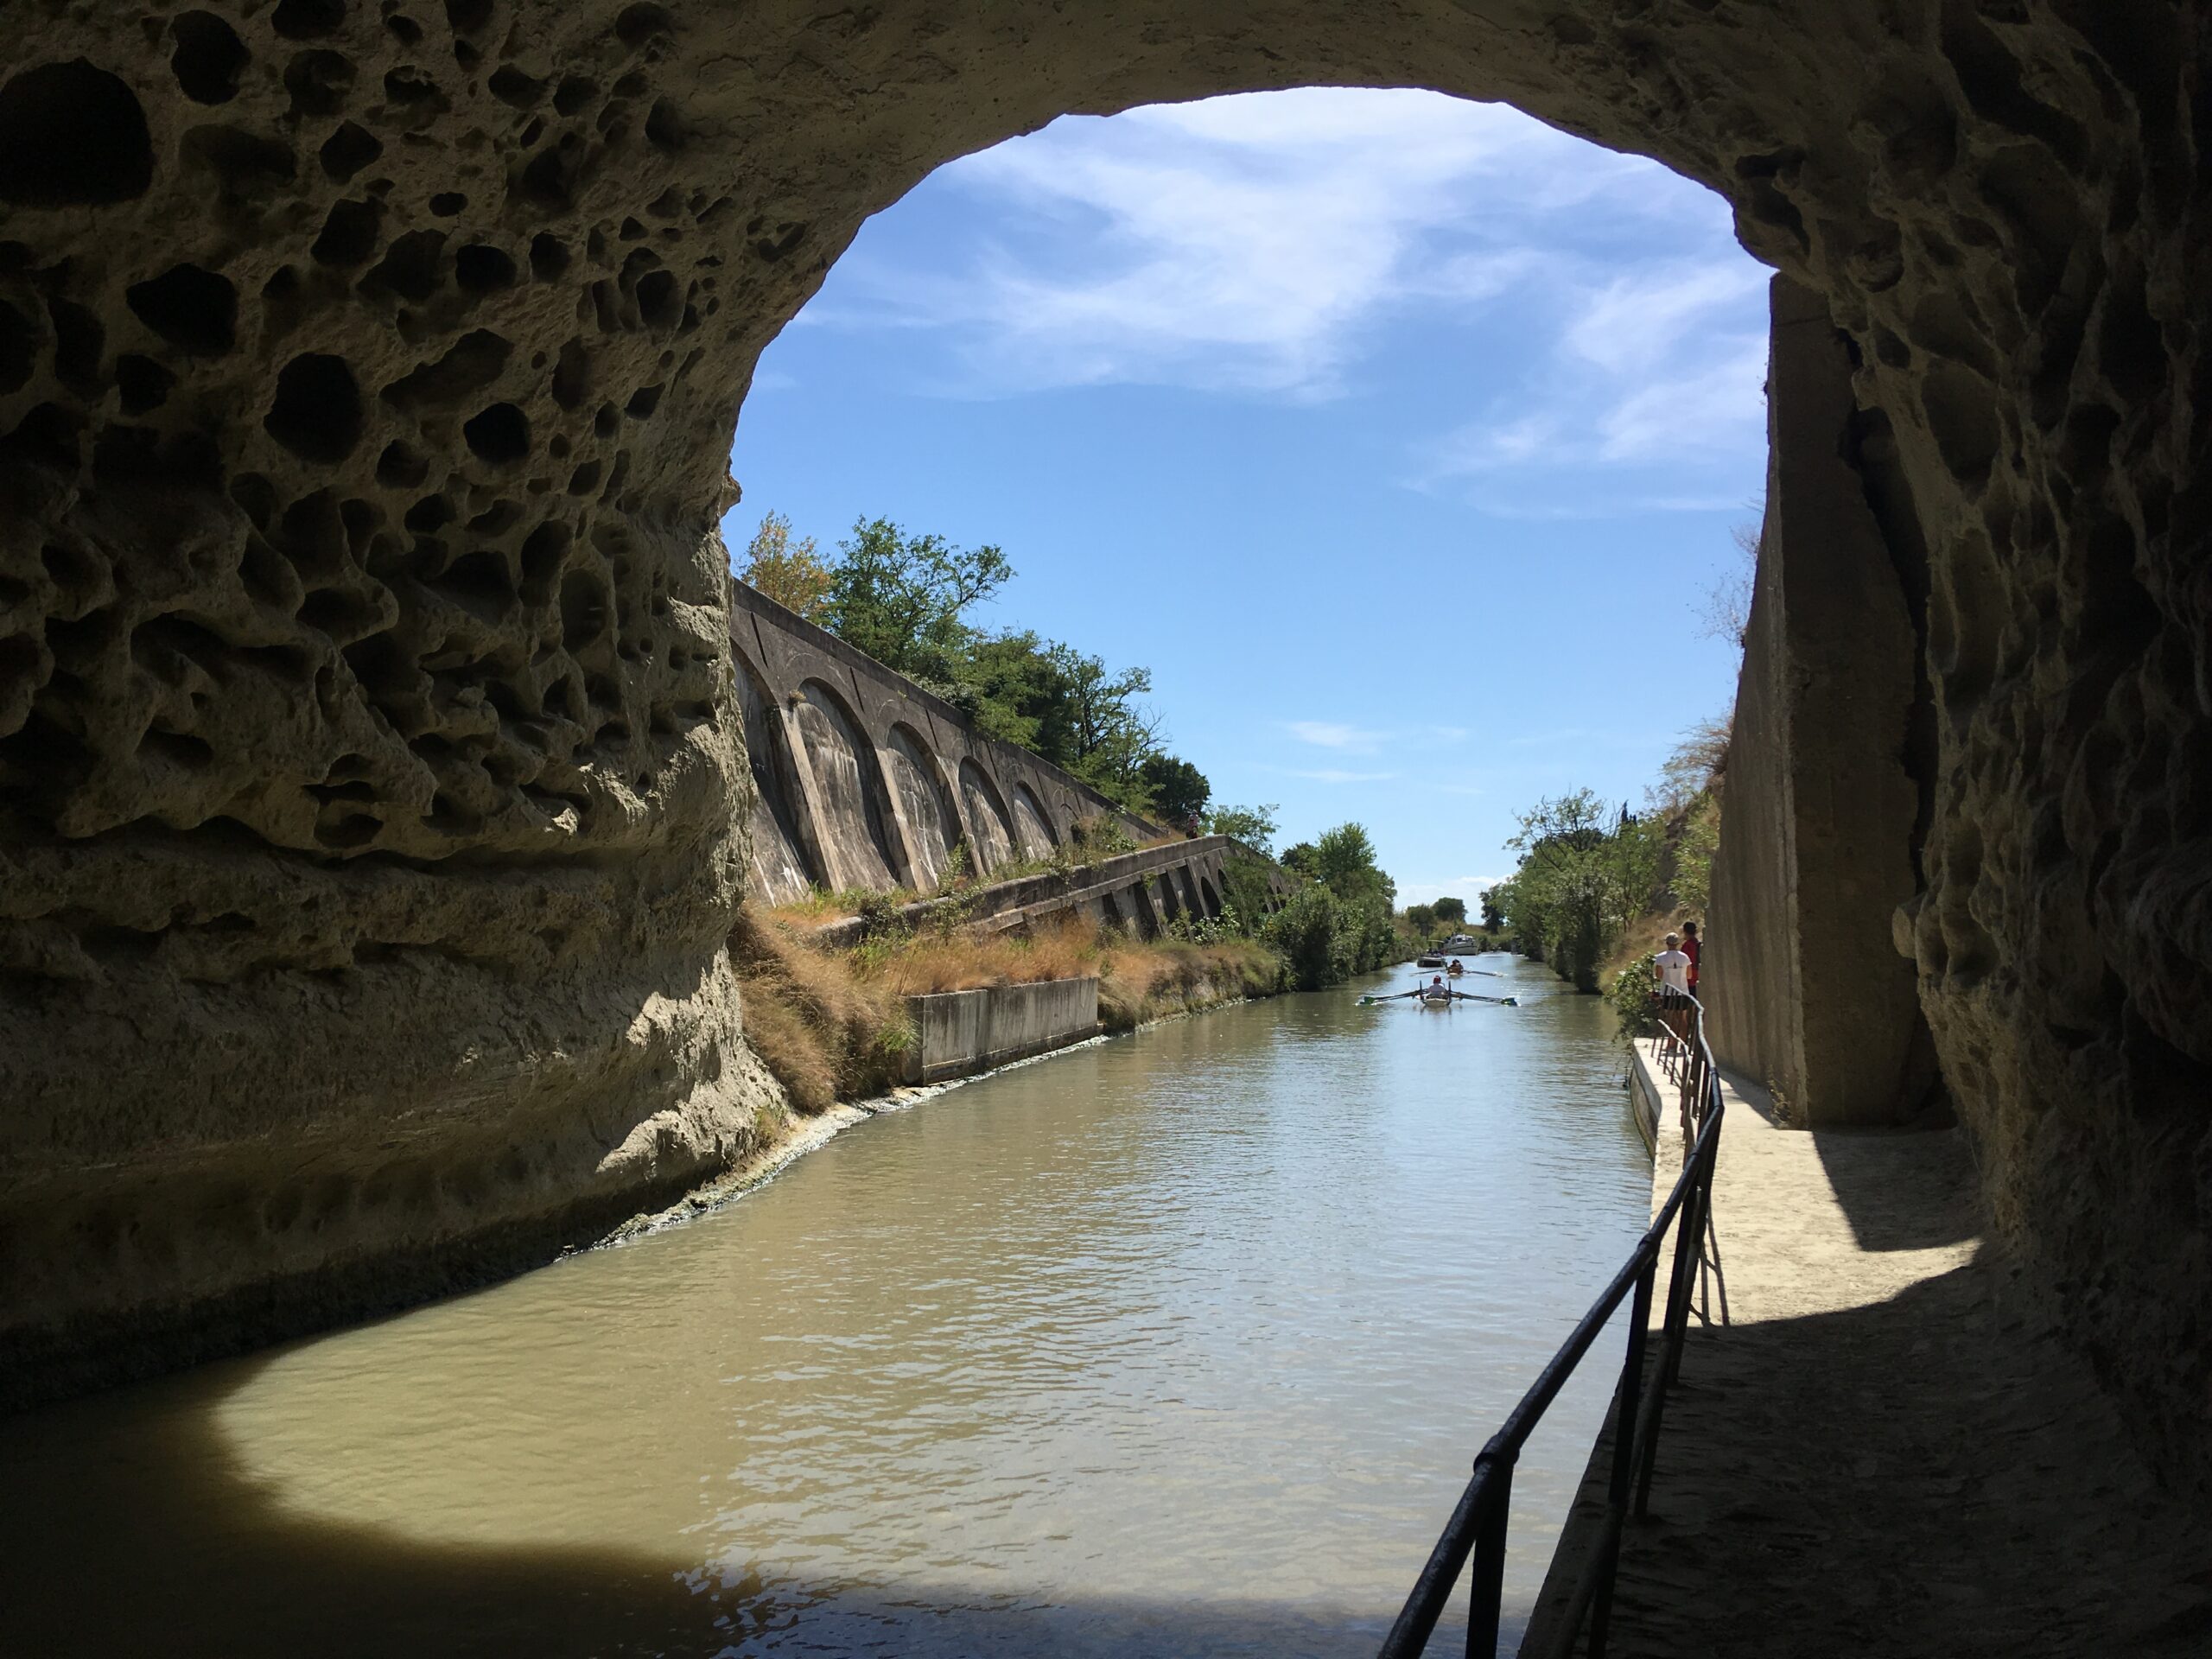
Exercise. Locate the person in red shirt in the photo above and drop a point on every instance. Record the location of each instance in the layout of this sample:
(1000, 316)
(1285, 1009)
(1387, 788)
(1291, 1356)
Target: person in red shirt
(1690, 950)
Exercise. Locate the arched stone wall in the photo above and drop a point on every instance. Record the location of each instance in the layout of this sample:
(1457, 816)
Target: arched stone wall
(365, 383)
(915, 737)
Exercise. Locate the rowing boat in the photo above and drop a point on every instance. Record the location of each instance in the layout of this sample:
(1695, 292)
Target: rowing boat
(1427, 998)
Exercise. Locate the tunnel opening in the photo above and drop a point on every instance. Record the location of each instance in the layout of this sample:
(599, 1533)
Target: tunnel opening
(1991, 206)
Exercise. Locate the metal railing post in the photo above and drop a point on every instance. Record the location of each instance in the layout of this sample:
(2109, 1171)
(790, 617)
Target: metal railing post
(1628, 1401)
(1487, 1593)
(1689, 1258)
(1689, 1233)
(1476, 1534)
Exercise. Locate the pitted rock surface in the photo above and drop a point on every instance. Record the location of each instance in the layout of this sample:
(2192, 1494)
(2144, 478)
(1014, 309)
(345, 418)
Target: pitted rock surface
(366, 375)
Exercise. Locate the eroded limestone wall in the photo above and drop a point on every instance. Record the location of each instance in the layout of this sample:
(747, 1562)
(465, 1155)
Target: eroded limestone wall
(368, 743)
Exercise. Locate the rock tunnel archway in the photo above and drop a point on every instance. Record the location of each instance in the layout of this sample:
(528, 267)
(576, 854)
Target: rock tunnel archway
(367, 376)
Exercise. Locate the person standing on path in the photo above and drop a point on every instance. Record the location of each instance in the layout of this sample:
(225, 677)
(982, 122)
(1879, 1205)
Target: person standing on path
(1693, 950)
(1673, 985)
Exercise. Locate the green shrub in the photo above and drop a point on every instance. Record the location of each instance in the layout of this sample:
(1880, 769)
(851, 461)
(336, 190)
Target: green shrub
(1634, 997)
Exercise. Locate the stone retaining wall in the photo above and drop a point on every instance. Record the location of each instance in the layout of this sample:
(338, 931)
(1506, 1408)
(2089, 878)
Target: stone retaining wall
(1140, 892)
(862, 779)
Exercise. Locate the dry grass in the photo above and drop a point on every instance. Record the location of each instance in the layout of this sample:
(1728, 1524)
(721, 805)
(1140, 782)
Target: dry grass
(822, 906)
(1643, 939)
(831, 1025)
(1148, 981)
(948, 961)
(827, 1033)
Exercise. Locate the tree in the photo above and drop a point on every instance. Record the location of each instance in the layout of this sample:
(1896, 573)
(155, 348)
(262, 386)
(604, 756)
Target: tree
(1309, 933)
(790, 573)
(902, 598)
(1579, 881)
(1451, 912)
(1698, 764)
(1421, 919)
(1253, 825)
(1343, 860)
(1577, 820)
(1299, 859)
(1493, 902)
(1111, 734)
(1178, 790)
(1070, 707)
(1725, 611)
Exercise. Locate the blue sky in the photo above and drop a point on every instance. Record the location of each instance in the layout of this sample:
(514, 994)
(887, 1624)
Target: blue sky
(1400, 436)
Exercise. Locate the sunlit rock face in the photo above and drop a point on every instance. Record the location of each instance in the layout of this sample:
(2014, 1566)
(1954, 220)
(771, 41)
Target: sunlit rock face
(371, 755)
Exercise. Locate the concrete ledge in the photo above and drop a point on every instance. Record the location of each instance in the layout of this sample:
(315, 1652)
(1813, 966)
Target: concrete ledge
(960, 1033)
(1646, 1088)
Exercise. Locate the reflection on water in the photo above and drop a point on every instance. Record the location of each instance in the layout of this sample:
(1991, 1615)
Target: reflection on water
(1181, 1344)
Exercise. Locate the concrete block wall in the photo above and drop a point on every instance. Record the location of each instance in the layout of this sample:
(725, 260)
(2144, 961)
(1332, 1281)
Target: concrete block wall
(862, 779)
(1806, 989)
(960, 1033)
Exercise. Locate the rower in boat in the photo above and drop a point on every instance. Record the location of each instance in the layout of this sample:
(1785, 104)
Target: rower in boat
(1455, 970)
(1435, 994)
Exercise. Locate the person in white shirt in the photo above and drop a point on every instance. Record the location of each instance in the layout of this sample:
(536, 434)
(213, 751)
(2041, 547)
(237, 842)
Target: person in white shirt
(1673, 967)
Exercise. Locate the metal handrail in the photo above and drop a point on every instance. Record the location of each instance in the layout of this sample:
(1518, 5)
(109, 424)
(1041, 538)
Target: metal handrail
(1478, 1526)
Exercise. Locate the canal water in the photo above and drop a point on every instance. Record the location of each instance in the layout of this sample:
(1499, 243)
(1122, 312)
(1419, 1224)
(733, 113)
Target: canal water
(1179, 1344)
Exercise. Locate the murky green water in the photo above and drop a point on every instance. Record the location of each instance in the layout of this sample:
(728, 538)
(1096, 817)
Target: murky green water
(1178, 1344)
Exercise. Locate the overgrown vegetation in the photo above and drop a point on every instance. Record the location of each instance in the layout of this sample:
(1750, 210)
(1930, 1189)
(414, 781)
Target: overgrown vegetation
(832, 1025)
(827, 1032)
(1339, 922)
(1431, 924)
(1634, 994)
(1591, 873)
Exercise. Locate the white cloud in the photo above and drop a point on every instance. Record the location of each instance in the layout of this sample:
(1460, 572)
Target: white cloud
(1256, 246)
(1715, 403)
(1241, 243)
(1641, 317)
(1334, 734)
(1333, 775)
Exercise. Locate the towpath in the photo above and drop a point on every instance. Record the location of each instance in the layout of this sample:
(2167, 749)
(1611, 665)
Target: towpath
(1883, 1451)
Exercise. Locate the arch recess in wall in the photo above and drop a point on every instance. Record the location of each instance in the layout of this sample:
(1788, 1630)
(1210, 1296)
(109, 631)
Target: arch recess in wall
(917, 784)
(1032, 823)
(849, 790)
(987, 816)
(781, 871)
